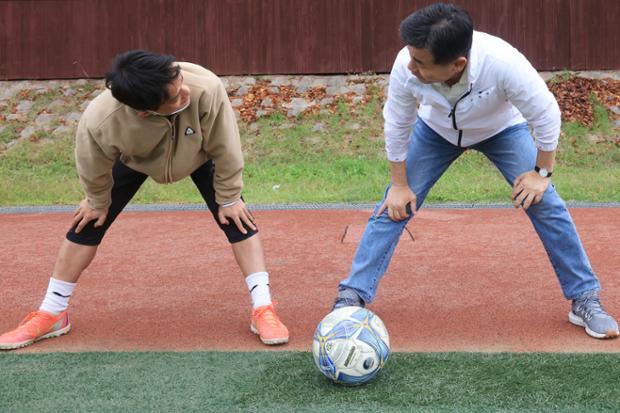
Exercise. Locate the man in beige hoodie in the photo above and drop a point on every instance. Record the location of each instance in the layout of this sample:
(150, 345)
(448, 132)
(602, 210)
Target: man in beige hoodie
(166, 120)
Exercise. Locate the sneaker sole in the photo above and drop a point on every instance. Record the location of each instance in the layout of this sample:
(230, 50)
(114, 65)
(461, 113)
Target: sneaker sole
(26, 343)
(578, 321)
(269, 341)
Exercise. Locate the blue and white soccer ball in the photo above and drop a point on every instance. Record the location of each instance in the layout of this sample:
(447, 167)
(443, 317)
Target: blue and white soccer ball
(351, 345)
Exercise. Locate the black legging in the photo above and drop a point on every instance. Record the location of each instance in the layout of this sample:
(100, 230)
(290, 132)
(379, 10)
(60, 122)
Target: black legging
(127, 182)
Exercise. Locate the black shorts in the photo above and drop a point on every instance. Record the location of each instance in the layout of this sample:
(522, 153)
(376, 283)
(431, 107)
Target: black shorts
(127, 182)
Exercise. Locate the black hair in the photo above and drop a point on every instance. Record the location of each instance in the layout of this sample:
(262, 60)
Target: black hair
(446, 30)
(140, 79)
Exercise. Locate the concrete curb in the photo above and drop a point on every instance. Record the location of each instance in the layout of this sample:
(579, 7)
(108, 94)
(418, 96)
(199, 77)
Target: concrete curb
(283, 207)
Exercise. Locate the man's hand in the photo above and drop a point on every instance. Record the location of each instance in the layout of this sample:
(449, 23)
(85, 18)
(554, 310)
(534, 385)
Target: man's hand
(398, 197)
(528, 189)
(240, 215)
(84, 214)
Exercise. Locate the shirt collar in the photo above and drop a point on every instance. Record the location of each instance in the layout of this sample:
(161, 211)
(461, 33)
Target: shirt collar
(473, 61)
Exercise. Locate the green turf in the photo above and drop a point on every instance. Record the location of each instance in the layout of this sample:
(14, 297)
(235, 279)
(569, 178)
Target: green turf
(289, 382)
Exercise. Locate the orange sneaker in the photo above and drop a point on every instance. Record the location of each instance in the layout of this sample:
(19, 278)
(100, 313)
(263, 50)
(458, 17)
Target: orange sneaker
(267, 325)
(36, 326)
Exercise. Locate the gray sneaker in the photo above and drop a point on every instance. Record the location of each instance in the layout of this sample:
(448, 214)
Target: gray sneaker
(346, 298)
(587, 312)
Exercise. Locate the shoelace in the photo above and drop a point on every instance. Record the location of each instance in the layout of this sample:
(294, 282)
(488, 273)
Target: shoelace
(268, 315)
(33, 327)
(347, 301)
(590, 306)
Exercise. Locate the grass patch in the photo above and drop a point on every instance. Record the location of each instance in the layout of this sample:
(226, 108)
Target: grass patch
(333, 156)
(561, 76)
(8, 133)
(289, 381)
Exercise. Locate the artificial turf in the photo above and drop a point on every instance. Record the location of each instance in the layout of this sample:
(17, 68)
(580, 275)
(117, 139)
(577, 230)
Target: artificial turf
(289, 382)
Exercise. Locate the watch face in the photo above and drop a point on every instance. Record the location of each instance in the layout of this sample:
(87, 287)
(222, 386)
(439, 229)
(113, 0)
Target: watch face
(543, 172)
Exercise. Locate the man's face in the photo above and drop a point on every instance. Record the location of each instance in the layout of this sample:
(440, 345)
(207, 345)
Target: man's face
(179, 97)
(423, 66)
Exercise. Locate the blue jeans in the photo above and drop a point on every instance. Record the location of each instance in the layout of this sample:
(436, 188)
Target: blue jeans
(513, 152)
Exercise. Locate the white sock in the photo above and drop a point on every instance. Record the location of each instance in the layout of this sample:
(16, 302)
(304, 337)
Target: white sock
(57, 297)
(258, 284)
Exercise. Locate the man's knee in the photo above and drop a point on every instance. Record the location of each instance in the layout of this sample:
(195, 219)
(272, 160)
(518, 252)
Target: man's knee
(551, 200)
(89, 235)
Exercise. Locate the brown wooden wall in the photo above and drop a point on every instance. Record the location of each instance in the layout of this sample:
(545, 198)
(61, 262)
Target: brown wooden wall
(78, 38)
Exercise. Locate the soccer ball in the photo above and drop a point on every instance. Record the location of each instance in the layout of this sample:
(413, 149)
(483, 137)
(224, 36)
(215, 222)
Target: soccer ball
(351, 345)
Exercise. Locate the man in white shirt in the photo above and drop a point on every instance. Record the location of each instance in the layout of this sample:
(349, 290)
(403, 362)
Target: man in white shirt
(474, 91)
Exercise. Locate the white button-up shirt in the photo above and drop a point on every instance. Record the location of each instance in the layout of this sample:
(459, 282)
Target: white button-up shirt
(453, 93)
(504, 90)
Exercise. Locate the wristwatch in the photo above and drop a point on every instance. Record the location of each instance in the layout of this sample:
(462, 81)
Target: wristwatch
(543, 172)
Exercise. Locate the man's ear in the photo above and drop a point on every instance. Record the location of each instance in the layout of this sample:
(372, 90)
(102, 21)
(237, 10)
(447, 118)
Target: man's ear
(460, 63)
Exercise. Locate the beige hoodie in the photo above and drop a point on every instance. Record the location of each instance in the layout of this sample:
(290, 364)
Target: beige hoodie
(165, 148)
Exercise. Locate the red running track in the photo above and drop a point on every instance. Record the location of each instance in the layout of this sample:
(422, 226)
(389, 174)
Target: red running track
(460, 280)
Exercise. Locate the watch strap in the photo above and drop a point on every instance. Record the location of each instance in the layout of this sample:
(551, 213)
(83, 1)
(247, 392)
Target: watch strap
(537, 169)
